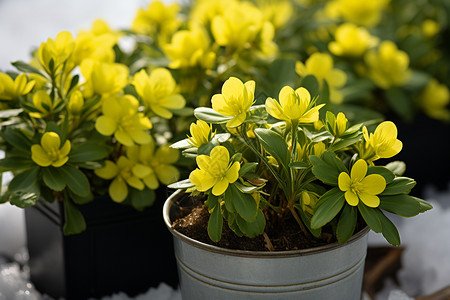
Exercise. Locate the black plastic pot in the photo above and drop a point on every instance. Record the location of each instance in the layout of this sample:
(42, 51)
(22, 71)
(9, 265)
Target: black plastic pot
(122, 250)
(426, 152)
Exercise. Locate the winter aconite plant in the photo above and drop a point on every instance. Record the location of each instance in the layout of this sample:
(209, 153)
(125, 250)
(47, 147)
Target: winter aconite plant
(77, 124)
(291, 157)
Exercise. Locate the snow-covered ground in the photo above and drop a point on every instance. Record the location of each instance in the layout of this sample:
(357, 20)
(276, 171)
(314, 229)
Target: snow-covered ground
(24, 24)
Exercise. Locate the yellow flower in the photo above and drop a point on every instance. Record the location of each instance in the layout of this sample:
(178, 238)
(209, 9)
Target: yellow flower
(309, 201)
(318, 149)
(434, 99)
(367, 13)
(238, 26)
(201, 133)
(159, 20)
(96, 44)
(50, 152)
(158, 91)
(204, 11)
(358, 186)
(235, 100)
(190, 48)
(103, 78)
(321, 66)
(159, 162)
(388, 66)
(340, 125)
(384, 140)
(124, 172)
(294, 105)
(10, 89)
(215, 171)
(122, 118)
(351, 40)
(76, 103)
(43, 103)
(430, 28)
(58, 50)
(276, 12)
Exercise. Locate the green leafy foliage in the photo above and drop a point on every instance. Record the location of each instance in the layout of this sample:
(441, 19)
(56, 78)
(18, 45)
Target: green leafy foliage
(75, 222)
(327, 167)
(328, 206)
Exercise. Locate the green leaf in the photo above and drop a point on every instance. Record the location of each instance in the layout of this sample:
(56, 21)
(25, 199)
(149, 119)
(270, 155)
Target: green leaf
(209, 115)
(75, 180)
(53, 179)
(23, 199)
(307, 221)
(81, 200)
(397, 167)
(183, 184)
(244, 204)
(247, 167)
(245, 189)
(252, 229)
(389, 230)
(347, 223)
(27, 181)
(215, 224)
(344, 143)
(370, 215)
(281, 73)
(74, 220)
(400, 185)
(15, 163)
(328, 206)
(142, 199)
(24, 67)
(328, 167)
(402, 205)
(17, 138)
(183, 144)
(88, 152)
(386, 173)
(424, 205)
(274, 144)
(212, 201)
(298, 165)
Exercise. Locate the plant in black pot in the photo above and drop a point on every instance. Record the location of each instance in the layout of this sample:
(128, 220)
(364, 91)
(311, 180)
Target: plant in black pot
(281, 201)
(87, 141)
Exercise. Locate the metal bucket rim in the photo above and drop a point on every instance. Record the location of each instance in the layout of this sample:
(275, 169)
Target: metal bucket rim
(247, 253)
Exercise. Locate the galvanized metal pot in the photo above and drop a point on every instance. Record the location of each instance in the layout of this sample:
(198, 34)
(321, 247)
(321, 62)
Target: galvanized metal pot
(333, 271)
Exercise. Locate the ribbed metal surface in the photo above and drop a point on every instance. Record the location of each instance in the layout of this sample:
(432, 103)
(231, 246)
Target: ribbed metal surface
(208, 272)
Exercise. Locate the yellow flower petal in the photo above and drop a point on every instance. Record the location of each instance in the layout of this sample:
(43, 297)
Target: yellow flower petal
(106, 125)
(369, 200)
(220, 187)
(118, 190)
(50, 141)
(167, 174)
(123, 137)
(109, 171)
(39, 156)
(352, 198)
(175, 101)
(202, 180)
(151, 181)
(135, 182)
(141, 171)
(359, 170)
(233, 172)
(344, 181)
(373, 184)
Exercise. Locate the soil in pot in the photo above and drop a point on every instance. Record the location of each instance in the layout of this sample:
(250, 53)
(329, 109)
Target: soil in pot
(281, 230)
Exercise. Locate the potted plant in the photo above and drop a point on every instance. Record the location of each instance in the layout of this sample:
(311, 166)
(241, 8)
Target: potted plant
(281, 201)
(87, 142)
(86, 125)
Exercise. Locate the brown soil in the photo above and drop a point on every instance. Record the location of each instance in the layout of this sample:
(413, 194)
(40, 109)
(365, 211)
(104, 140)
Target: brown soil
(282, 231)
